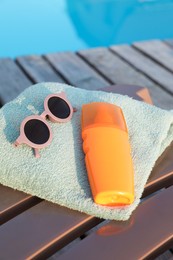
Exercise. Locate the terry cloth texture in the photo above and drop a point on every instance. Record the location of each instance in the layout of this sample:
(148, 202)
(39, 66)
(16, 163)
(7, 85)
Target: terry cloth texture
(60, 175)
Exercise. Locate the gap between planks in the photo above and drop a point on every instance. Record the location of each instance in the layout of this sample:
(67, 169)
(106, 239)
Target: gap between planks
(145, 66)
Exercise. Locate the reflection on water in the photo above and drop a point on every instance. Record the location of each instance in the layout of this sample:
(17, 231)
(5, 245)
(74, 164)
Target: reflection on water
(106, 22)
(98, 23)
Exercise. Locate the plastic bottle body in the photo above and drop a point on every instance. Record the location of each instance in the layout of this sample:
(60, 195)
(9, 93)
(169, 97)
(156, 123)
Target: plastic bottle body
(108, 162)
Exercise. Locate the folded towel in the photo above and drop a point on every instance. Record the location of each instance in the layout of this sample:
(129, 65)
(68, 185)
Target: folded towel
(60, 174)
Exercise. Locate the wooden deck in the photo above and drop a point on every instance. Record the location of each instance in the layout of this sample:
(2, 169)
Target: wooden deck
(35, 229)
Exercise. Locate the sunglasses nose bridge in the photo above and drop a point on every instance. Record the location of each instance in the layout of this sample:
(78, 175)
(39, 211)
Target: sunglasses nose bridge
(44, 114)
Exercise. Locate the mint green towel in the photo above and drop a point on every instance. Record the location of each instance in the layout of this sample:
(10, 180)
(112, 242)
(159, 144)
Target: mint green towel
(60, 175)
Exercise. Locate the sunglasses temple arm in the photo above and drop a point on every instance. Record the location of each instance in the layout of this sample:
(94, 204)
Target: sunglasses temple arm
(17, 142)
(36, 152)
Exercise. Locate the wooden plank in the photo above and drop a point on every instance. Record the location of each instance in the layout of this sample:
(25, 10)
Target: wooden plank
(41, 231)
(165, 256)
(148, 233)
(162, 173)
(120, 72)
(76, 71)
(38, 69)
(112, 67)
(169, 42)
(9, 197)
(158, 51)
(12, 80)
(14, 202)
(151, 69)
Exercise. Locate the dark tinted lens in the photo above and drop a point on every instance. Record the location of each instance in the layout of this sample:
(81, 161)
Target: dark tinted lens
(58, 107)
(36, 131)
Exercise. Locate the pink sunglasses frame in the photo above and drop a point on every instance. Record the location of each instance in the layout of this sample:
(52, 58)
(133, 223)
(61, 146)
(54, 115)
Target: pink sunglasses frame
(22, 139)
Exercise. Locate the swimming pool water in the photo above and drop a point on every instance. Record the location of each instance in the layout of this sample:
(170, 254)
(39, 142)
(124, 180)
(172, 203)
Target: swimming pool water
(43, 26)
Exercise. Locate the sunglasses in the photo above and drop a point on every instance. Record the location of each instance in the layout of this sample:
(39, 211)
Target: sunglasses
(35, 131)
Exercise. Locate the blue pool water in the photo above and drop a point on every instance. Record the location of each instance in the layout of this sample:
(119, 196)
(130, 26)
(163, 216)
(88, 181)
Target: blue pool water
(43, 26)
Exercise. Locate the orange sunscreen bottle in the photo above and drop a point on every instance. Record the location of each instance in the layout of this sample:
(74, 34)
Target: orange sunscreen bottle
(107, 154)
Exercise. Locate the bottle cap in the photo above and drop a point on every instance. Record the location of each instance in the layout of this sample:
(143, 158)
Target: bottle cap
(102, 114)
